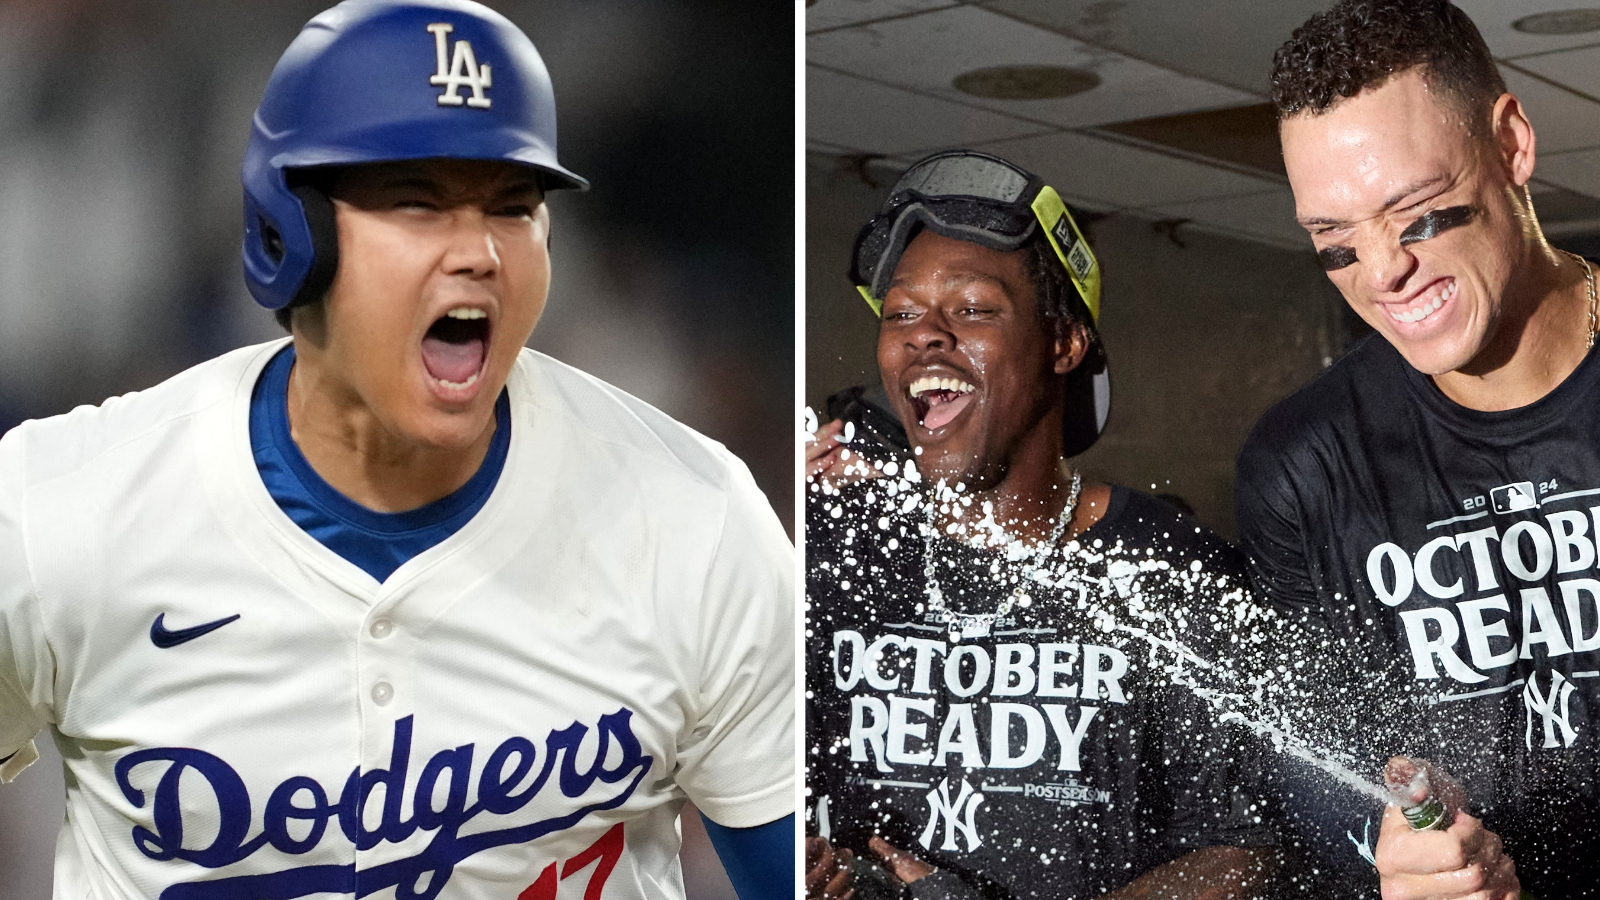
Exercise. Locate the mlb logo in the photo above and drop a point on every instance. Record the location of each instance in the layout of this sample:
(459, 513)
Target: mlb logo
(1510, 498)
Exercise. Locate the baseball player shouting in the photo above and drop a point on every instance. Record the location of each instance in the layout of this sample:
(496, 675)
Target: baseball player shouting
(397, 607)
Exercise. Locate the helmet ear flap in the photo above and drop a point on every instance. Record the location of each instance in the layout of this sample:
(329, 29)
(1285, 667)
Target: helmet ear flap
(324, 244)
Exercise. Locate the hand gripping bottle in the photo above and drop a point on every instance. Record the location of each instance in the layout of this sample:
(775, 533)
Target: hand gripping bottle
(1427, 814)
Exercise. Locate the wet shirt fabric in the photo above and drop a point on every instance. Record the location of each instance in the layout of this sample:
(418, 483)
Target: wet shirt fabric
(1449, 555)
(1049, 758)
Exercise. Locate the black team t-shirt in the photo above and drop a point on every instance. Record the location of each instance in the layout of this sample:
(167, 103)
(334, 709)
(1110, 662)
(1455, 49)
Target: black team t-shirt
(1050, 758)
(1450, 554)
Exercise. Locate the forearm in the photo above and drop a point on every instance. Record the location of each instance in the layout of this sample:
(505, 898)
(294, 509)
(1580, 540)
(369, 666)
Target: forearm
(760, 860)
(1212, 873)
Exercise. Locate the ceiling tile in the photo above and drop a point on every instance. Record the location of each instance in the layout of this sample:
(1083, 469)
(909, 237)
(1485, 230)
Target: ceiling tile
(814, 145)
(1241, 135)
(871, 118)
(927, 52)
(1230, 43)
(834, 13)
(1267, 216)
(1561, 119)
(1576, 69)
(1494, 18)
(1111, 174)
(1578, 171)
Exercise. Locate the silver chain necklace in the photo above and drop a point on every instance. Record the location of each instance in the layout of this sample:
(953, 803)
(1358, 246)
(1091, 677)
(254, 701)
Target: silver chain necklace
(976, 625)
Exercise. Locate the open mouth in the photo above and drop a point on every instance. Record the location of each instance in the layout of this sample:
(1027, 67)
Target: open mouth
(1425, 305)
(455, 347)
(938, 401)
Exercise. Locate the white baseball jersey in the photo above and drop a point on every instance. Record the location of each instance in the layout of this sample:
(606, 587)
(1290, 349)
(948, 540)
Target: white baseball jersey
(518, 712)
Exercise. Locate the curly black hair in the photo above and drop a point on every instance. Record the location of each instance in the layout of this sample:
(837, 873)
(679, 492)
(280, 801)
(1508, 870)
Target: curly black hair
(1057, 298)
(1360, 44)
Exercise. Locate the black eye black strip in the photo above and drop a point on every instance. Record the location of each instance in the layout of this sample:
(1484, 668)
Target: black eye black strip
(1435, 222)
(1336, 257)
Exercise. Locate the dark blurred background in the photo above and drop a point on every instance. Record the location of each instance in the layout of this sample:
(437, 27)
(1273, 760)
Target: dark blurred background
(122, 125)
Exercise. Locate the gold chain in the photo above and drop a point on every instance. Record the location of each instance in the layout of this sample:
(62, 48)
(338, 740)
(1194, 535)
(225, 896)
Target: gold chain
(1588, 276)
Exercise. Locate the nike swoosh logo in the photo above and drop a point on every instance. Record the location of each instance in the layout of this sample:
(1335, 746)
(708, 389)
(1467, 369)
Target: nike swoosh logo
(161, 637)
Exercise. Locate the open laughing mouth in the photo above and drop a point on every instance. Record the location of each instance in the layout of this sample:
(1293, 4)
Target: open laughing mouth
(937, 401)
(456, 346)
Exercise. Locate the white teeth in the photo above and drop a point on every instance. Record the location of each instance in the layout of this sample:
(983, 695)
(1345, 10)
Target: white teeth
(471, 380)
(462, 312)
(929, 383)
(1428, 309)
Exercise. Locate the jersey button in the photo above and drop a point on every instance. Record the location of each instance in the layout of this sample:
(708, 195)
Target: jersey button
(382, 693)
(382, 628)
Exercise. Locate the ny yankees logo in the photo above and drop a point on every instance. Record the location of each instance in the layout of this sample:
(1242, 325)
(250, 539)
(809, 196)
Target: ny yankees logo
(1560, 692)
(464, 71)
(939, 806)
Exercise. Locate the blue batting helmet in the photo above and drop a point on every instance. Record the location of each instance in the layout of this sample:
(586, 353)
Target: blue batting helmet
(378, 80)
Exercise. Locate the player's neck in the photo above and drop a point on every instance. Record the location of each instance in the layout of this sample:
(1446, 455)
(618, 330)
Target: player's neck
(1028, 499)
(345, 443)
(1542, 338)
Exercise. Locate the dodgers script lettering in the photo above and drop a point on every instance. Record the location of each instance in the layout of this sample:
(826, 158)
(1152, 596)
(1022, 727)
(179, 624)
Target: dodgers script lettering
(501, 791)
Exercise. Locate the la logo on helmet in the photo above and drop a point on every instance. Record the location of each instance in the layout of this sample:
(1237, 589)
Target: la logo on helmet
(464, 71)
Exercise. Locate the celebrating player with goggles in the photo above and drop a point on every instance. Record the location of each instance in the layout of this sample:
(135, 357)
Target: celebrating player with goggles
(975, 727)
(396, 607)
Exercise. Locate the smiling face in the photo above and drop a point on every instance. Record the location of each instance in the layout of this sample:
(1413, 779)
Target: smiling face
(1420, 223)
(970, 366)
(443, 272)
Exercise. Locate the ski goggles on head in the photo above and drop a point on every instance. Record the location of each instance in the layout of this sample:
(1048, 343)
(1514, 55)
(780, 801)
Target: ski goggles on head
(974, 197)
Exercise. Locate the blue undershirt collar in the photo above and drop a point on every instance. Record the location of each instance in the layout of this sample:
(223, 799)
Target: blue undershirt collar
(377, 542)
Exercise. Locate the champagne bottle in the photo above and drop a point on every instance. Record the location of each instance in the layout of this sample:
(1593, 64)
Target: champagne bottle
(1427, 814)
(1404, 778)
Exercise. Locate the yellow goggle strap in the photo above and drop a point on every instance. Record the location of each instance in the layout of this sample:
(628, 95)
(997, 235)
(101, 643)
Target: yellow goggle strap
(877, 305)
(1070, 247)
